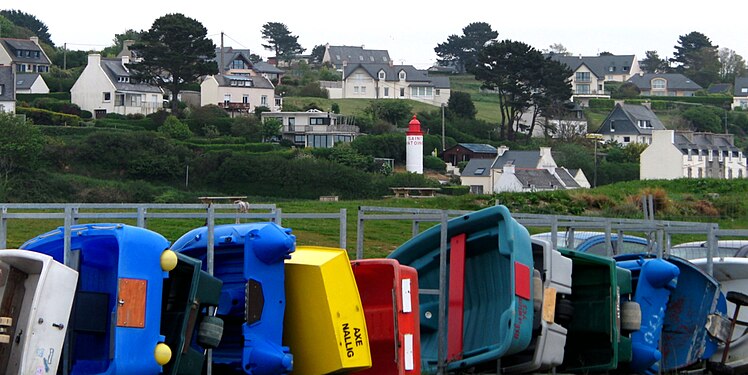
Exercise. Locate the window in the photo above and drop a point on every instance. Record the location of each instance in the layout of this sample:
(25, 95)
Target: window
(342, 138)
(583, 76)
(361, 58)
(476, 189)
(371, 58)
(355, 89)
(119, 100)
(479, 171)
(625, 68)
(238, 64)
(299, 139)
(107, 96)
(21, 67)
(644, 124)
(123, 79)
(402, 75)
(363, 89)
(658, 84)
(744, 90)
(226, 99)
(317, 121)
(402, 92)
(386, 92)
(612, 69)
(729, 173)
(264, 100)
(315, 140)
(612, 126)
(626, 139)
(437, 92)
(583, 89)
(690, 172)
(381, 75)
(2, 89)
(701, 172)
(292, 124)
(384, 58)
(245, 99)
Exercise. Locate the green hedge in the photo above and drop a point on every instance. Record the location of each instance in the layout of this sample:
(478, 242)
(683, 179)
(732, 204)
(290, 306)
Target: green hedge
(455, 190)
(719, 101)
(53, 95)
(602, 103)
(247, 147)
(45, 117)
(67, 131)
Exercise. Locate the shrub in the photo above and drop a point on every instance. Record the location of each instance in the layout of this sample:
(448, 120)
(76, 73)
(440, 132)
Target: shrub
(45, 117)
(173, 128)
(455, 190)
(434, 163)
(602, 104)
(86, 114)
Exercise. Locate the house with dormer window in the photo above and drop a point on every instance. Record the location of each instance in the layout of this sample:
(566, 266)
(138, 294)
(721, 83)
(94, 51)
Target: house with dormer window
(686, 154)
(591, 72)
(670, 84)
(740, 96)
(106, 86)
(387, 81)
(337, 56)
(25, 56)
(630, 123)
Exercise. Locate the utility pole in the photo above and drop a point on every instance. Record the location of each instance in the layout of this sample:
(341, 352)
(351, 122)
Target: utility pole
(595, 137)
(443, 131)
(220, 70)
(64, 56)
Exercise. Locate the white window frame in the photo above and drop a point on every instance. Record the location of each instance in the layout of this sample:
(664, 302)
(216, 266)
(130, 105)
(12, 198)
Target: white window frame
(264, 100)
(382, 75)
(104, 96)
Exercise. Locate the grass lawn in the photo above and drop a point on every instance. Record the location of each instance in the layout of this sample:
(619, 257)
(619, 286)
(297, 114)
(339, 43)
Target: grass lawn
(351, 106)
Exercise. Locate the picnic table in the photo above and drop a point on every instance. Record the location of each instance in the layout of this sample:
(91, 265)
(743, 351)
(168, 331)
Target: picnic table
(414, 192)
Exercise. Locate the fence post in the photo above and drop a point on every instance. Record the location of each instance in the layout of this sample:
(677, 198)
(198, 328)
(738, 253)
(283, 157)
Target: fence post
(660, 239)
(554, 232)
(360, 234)
(442, 355)
(67, 236)
(415, 228)
(3, 228)
(141, 216)
(343, 228)
(711, 246)
(608, 240)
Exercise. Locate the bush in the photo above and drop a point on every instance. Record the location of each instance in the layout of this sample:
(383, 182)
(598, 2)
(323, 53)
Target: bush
(29, 98)
(313, 89)
(86, 114)
(45, 117)
(602, 104)
(455, 190)
(434, 163)
(173, 128)
(55, 105)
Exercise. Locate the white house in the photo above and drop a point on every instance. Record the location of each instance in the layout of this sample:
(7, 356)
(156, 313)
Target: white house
(686, 154)
(105, 86)
(31, 83)
(665, 84)
(591, 73)
(314, 128)
(630, 123)
(238, 93)
(387, 81)
(740, 97)
(516, 171)
(26, 56)
(7, 89)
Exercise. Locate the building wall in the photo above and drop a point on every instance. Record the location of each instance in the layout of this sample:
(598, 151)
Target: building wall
(661, 160)
(39, 87)
(360, 85)
(8, 106)
(5, 58)
(507, 182)
(740, 102)
(209, 91)
(212, 93)
(88, 90)
(484, 182)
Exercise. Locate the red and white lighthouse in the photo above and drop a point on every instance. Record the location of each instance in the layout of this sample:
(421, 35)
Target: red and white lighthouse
(414, 147)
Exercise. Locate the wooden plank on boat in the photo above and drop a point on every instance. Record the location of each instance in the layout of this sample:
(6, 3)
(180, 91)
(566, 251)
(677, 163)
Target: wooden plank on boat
(131, 303)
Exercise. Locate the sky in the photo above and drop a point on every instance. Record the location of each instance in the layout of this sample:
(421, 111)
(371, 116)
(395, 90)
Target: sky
(410, 30)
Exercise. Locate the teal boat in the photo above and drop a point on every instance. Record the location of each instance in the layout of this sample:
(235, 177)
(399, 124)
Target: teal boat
(490, 267)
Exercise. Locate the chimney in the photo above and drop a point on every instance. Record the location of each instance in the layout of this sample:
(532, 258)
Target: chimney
(35, 40)
(501, 150)
(126, 48)
(94, 59)
(391, 63)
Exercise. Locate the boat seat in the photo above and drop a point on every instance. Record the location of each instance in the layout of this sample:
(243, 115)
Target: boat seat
(91, 312)
(737, 298)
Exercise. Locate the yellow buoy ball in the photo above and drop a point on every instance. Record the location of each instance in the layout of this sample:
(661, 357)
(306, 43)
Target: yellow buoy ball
(162, 354)
(168, 260)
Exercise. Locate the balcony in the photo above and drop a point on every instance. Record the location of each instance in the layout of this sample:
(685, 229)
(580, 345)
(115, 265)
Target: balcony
(232, 106)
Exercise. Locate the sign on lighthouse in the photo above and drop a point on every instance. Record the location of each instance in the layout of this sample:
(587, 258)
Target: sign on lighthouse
(414, 147)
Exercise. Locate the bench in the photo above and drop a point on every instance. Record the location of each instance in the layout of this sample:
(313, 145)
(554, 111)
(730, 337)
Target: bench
(414, 192)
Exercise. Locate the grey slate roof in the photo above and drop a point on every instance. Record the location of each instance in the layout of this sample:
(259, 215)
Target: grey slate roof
(263, 67)
(114, 69)
(479, 148)
(474, 165)
(626, 119)
(599, 65)
(539, 178)
(230, 54)
(740, 84)
(684, 141)
(6, 79)
(25, 80)
(520, 159)
(675, 81)
(719, 88)
(259, 82)
(413, 76)
(567, 178)
(354, 55)
(13, 45)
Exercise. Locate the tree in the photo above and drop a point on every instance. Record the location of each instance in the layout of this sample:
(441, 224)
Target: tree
(524, 80)
(30, 22)
(652, 63)
(119, 42)
(173, 128)
(732, 65)
(21, 146)
(393, 111)
(318, 53)
(271, 128)
(551, 92)
(461, 51)
(628, 90)
(605, 53)
(461, 105)
(703, 119)
(175, 51)
(557, 49)
(281, 41)
(697, 58)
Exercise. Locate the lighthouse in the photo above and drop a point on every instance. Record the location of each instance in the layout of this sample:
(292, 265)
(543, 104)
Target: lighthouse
(414, 147)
